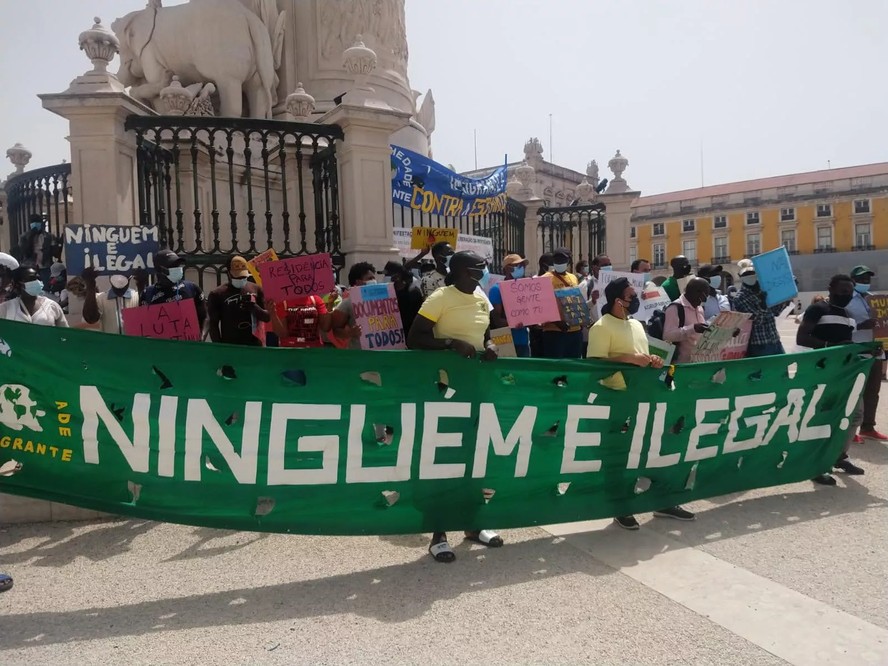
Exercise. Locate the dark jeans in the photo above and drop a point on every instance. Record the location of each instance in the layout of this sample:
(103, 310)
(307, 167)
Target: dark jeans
(562, 345)
(871, 396)
(522, 351)
(767, 349)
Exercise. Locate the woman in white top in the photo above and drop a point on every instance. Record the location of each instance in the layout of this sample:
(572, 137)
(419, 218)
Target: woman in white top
(29, 306)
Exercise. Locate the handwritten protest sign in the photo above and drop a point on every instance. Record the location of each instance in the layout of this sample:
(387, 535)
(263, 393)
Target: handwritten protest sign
(376, 311)
(879, 305)
(719, 343)
(652, 298)
(111, 250)
(661, 348)
(297, 277)
(529, 301)
(606, 277)
(254, 263)
(505, 345)
(424, 237)
(774, 271)
(480, 245)
(573, 307)
(403, 237)
(167, 321)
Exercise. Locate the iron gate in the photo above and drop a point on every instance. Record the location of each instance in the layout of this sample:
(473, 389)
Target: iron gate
(579, 228)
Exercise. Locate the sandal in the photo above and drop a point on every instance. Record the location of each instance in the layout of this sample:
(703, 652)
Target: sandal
(5, 582)
(487, 538)
(442, 552)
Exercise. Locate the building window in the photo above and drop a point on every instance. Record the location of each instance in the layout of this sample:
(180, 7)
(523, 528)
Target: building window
(824, 238)
(633, 254)
(720, 222)
(863, 235)
(659, 229)
(753, 244)
(720, 248)
(787, 215)
(752, 218)
(861, 207)
(824, 210)
(788, 239)
(689, 249)
(632, 232)
(659, 254)
(688, 226)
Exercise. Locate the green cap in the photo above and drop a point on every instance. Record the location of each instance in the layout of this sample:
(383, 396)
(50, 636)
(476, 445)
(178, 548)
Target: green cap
(860, 271)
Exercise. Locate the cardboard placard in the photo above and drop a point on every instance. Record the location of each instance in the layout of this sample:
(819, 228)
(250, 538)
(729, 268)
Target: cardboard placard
(661, 348)
(254, 263)
(376, 311)
(879, 305)
(480, 245)
(424, 237)
(403, 237)
(311, 275)
(652, 298)
(573, 306)
(719, 342)
(110, 250)
(606, 277)
(505, 345)
(774, 272)
(529, 301)
(165, 321)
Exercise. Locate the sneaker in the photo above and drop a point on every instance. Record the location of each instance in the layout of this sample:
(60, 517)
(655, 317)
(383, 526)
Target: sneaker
(873, 434)
(857, 439)
(627, 522)
(675, 512)
(848, 467)
(824, 480)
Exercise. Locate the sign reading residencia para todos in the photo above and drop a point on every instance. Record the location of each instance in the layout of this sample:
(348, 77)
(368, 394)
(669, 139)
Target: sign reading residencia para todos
(284, 440)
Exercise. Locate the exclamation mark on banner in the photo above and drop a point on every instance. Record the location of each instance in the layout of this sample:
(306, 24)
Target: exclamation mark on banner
(856, 390)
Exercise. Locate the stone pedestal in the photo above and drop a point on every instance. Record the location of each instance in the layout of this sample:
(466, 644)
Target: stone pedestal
(365, 179)
(618, 220)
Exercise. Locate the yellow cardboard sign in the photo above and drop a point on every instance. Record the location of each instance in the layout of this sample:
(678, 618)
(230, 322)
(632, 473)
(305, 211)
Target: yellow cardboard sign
(424, 237)
(253, 264)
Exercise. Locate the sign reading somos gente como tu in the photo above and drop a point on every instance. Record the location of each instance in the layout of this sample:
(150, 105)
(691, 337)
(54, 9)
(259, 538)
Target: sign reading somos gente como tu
(284, 440)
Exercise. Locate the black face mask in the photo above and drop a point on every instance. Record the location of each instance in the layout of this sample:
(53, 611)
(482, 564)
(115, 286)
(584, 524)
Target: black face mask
(840, 300)
(633, 306)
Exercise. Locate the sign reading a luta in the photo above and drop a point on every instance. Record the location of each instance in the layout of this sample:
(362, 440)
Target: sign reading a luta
(285, 440)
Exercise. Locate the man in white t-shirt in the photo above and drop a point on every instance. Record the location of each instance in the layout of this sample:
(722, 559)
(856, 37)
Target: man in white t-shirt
(30, 306)
(107, 308)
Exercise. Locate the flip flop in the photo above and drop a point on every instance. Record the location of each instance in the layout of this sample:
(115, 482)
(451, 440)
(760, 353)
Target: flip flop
(487, 538)
(5, 582)
(442, 552)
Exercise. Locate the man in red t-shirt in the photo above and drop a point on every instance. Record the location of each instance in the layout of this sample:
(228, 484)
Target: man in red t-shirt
(299, 321)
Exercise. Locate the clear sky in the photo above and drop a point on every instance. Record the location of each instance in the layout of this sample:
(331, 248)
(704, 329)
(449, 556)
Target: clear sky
(766, 87)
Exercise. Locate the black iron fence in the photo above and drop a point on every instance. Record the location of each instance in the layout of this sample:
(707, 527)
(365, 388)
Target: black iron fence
(505, 228)
(47, 191)
(578, 228)
(217, 187)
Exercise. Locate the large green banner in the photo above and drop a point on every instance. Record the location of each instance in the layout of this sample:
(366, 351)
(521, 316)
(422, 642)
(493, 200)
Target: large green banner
(351, 442)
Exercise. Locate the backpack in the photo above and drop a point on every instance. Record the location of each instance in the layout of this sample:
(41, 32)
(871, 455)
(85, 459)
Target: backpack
(657, 321)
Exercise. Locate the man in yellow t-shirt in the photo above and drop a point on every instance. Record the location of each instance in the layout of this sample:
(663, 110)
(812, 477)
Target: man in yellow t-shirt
(559, 339)
(618, 338)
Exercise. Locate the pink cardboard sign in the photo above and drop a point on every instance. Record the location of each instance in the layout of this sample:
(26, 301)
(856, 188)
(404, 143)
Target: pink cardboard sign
(376, 311)
(165, 321)
(529, 301)
(296, 277)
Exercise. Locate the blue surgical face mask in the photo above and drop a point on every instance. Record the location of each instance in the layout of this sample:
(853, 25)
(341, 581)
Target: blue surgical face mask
(715, 281)
(36, 226)
(33, 288)
(372, 281)
(861, 288)
(175, 274)
(518, 272)
(605, 268)
(749, 280)
(560, 268)
(239, 283)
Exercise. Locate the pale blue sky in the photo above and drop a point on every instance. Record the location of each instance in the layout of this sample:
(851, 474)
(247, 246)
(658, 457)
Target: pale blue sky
(767, 86)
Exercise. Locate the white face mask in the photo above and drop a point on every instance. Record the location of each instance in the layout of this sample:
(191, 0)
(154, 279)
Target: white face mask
(560, 268)
(33, 288)
(715, 281)
(119, 282)
(239, 283)
(605, 268)
(749, 280)
(175, 274)
(366, 282)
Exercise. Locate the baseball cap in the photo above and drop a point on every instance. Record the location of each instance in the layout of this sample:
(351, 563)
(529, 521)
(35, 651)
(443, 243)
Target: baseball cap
(708, 270)
(745, 267)
(237, 267)
(860, 271)
(514, 260)
(168, 259)
(613, 291)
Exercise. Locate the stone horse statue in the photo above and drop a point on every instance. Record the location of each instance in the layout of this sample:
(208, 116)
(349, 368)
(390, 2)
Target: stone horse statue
(204, 40)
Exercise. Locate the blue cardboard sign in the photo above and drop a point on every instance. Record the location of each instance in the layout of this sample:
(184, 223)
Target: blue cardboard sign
(111, 250)
(774, 271)
(377, 292)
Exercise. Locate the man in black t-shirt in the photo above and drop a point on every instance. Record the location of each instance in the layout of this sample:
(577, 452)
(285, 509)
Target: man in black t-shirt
(172, 286)
(236, 308)
(409, 295)
(827, 324)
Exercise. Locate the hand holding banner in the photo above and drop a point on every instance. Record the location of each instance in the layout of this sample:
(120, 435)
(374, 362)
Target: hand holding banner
(774, 271)
(529, 301)
(297, 277)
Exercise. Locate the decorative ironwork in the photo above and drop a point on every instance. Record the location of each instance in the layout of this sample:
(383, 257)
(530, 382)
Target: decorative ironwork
(216, 187)
(579, 228)
(505, 229)
(46, 191)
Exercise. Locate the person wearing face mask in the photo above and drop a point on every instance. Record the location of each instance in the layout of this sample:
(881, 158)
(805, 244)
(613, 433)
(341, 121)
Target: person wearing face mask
(559, 339)
(58, 280)
(344, 327)
(107, 308)
(8, 264)
(514, 268)
(237, 309)
(859, 309)
(716, 302)
(407, 291)
(36, 246)
(30, 306)
(434, 280)
(457, 317)
(172, 286)
(681, 268)
(684, 319)
(828, 324)
(764, 340)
